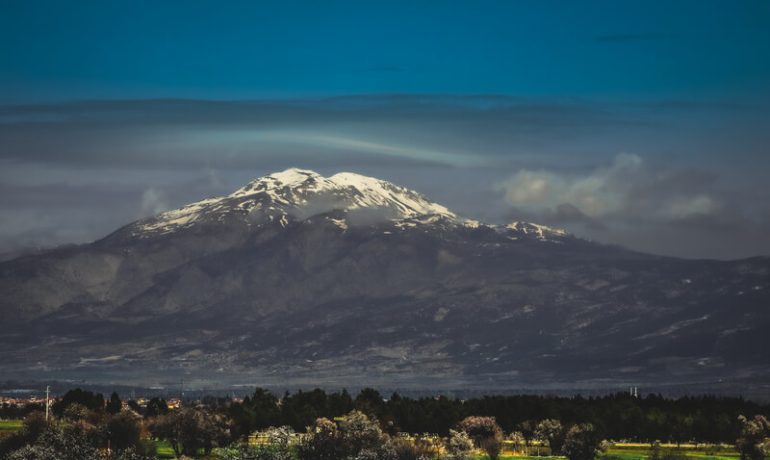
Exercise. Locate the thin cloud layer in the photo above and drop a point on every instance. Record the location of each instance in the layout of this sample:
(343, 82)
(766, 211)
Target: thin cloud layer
(72, 172)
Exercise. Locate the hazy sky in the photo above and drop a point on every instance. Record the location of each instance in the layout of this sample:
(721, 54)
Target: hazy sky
(645, 124)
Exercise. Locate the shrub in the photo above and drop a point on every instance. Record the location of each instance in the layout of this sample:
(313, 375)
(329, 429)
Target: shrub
(753, 440)
(582, 442)
(552, 432)
(355, 437)
(492, 446)
(485, 433)
(58, 444)
(322, 442)
(459, 445)
(517, 438)
(419, 449)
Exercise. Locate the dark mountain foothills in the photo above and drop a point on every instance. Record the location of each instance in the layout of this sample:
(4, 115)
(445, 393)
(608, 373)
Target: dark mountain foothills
(300, 279)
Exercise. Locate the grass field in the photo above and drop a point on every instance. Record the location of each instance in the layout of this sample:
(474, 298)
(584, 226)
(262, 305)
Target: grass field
(629, 451)
(163, 450)
(10, 426)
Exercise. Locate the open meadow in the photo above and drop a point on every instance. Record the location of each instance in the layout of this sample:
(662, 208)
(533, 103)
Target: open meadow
(635, 451)
(9, 426)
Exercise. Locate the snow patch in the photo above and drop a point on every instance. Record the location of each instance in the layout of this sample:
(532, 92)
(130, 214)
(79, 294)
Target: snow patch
(541, 232)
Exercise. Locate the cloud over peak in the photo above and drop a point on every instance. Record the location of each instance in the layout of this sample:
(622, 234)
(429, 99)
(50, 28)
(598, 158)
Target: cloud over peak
(626, 185)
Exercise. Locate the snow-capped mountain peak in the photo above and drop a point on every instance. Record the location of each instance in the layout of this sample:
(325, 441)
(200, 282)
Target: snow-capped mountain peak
(371, 192)
(292, 178)
(344, 190)
(302, 193)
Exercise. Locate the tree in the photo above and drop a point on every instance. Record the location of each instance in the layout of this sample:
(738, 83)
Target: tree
(75, 412)
(681, 429)
(492, 446)
(191, 430)
(214, 430)
(360, 432)
(527, 430)
(459, 445)
(753, 442)
(552, 432)
(277, 448)
(34, 426)
(89, 400)
(582, 442)
(68, 443)
(123, 431)
(303, 408)
(517, 438)
(369, 401)
(114, 405)
(257, 412)
(485, 433)
(90, 422)
(655, 451)
(156, 407)
(339, 404)
(322, 442)
(355, 436)
(264, 404)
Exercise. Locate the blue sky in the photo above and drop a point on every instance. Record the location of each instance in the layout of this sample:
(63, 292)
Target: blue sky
(245, 49)
(642, 123)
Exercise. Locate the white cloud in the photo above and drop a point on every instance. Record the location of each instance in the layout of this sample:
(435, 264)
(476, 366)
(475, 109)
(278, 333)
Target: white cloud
(683, 207)
(626, 186)
(153, 201)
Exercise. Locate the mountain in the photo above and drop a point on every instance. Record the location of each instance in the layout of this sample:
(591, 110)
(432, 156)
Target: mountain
(300, 279)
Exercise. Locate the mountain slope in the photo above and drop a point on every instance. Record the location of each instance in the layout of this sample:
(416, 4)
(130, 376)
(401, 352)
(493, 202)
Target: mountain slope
(301, 278)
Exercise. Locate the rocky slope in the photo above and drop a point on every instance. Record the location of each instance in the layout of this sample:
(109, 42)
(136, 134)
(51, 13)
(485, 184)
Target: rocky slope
(302, 279)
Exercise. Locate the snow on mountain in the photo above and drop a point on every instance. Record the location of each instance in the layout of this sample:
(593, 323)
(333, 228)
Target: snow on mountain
(180, 217)
(348, 191)
(541, 232)
(298, 194)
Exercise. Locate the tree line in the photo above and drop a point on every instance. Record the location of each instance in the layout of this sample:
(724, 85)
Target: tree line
(707, 419)
(315, 425)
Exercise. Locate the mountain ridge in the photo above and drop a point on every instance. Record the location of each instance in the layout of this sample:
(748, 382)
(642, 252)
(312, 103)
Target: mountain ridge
(296, 277)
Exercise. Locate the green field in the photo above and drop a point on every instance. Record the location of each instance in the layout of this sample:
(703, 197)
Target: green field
(642, 452)
(10, 426)
(699, 452)
(163, 450)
